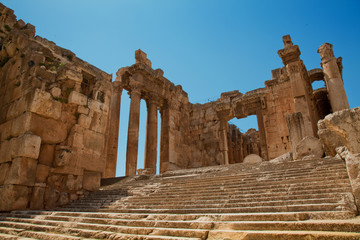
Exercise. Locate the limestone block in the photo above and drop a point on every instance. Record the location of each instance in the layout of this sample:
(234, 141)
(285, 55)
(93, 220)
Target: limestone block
(94, 141)
(46, 156)
(5, 130)
(83, 110)
(91, 180)
(63, 199)
(353, 169)
(99, 123)
(14, 197)
(283, 158)
(51, 197)
(98, 106)
(22, 172)
(11, 49)
(55, 92)
(50, 130)
(21, 124)
(253, 159)
(146, 171)
(78, 98)
(84, 121)
(341, 128)
(4, 169)
(43, 104)
(73, 165)
(26, 145)
(73, 182)
(71, 74)
(18, 107)
(309, 146)
(92, 161)
(5, 151)
(42, 172)
(37, 197)
(62, 156)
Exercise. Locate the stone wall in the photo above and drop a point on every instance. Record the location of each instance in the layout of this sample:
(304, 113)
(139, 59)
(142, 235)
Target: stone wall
(54, 111)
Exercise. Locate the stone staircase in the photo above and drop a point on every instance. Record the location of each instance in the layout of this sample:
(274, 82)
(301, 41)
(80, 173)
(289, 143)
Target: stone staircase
(308, 199)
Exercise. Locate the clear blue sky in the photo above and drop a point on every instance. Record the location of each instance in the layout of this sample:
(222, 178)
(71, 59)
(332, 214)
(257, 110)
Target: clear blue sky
(206, 46)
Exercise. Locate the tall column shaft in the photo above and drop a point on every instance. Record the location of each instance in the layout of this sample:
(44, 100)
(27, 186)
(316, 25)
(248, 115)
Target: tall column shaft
(133, 133)
(165, 138)
(333, 78)
(113, 132)
(151, 135)
(263, 145)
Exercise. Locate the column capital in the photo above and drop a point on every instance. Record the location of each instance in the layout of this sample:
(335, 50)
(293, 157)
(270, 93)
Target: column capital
(326, 52)
(152, 98)
(290, 53)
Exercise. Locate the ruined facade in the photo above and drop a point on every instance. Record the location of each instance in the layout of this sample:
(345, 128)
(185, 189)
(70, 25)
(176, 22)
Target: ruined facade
(59, 117)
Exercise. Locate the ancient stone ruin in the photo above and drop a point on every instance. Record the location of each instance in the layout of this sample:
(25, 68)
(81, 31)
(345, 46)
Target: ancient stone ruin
(59, 123)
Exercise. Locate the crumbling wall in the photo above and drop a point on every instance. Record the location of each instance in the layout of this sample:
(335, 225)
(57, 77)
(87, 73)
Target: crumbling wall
(279, 103)
(53, 120)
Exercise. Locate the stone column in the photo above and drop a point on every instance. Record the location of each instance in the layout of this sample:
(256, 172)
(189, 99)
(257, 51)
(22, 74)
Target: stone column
(133, 133)
(165, 138)
(262, 135)
(113, 131)
(223, 141)
(333, 78)
(300, 85)
(151, 134)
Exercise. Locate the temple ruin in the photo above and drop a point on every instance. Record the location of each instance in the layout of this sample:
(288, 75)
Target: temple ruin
(59, 121)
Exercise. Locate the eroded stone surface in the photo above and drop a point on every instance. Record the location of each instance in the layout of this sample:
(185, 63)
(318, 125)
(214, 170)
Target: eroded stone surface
(309, 146)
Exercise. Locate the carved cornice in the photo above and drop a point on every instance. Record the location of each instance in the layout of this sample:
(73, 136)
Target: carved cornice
(326, 52)
(290, 54)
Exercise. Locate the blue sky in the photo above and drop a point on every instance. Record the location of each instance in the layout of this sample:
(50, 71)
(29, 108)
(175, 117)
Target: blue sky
(206, 46)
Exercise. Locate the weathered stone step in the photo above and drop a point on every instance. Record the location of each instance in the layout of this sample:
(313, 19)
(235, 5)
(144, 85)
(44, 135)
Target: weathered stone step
(265, 183)
(99, 235)
(12, 237)
(281, 208)
(93, 230)
(321, 188)
(281, 235)
(233, 199)
(340, 171)
(254, 202)
(248, 194)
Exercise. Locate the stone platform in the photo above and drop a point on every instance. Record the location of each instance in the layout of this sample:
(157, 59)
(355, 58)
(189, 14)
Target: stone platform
(307, 199)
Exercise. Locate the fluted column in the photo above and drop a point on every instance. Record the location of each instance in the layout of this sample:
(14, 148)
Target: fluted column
(165, 138)
(333, 78)
(133, 133)
(151, 134)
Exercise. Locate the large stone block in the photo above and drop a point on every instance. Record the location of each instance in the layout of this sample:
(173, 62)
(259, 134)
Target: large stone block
(37, 197)
(26, 145)
(42, 172)
(91, 180)
(14, 197)
(253, 159)
(4, 170)
(94, 141)
(341, 128)
(99, 122)
(46, 156)
(74, 182)
(62, 156)
(22, 172)
(5, 130)
(309, 146)
(92, 161)
(78, 98)
(5, 151)
(98, 106)
(43, 104)
(51, 197)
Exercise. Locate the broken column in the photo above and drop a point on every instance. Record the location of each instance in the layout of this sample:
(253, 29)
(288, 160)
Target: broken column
(300, 84)
(133, 132)
(333, 78)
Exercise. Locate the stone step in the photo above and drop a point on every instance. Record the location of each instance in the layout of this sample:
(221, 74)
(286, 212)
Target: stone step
(267, 182)
(271, 216)
(281, 235)
(200, 223)
(233, 199)
(248, 194)
(97, 230)
(255, 202)
(280, 208)
(320, 188)
(85, 235)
